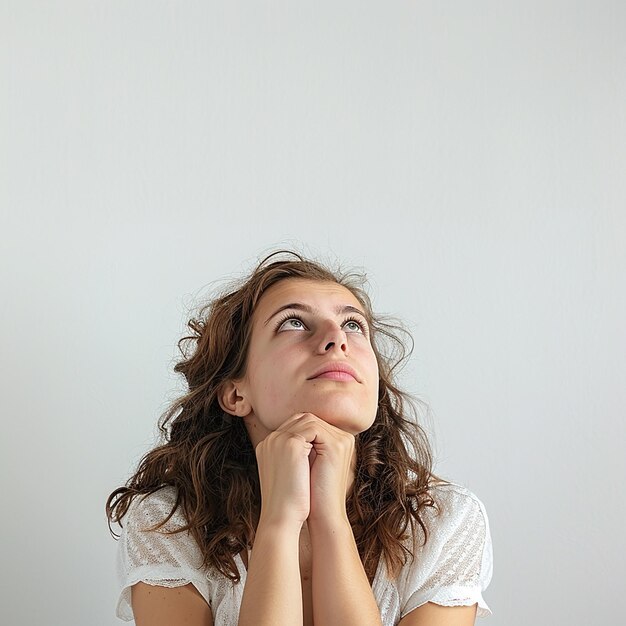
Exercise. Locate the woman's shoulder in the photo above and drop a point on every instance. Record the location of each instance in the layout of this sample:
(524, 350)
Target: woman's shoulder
(156, 541)
(454, 565)
(457, 510)
(454, 497)
(155, 553)
(147, 510)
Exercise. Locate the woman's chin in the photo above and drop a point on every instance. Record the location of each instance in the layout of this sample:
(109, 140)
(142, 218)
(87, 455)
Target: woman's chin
(344, 415)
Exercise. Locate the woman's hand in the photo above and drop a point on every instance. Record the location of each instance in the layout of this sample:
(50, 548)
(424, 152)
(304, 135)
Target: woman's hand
(283, 462)
(305, 469)
(331, 461)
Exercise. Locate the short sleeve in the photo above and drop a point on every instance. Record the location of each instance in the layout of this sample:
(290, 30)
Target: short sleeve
(154, 557)
(456, 565)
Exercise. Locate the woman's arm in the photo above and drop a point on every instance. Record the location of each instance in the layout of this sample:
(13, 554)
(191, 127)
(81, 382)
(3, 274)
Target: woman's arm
(431, 614)
(164, 606)
(273, 593)
(341, 591)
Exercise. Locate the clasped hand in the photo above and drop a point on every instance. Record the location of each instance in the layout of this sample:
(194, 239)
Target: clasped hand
(305, 469)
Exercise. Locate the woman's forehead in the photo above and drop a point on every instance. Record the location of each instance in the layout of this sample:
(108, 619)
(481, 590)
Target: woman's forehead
(304, 291)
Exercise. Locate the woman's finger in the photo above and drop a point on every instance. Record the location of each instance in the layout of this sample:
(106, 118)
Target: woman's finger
(313, 428)
(290, 420)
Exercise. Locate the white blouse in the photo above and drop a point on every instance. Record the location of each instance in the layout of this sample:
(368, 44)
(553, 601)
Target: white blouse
(452, 569)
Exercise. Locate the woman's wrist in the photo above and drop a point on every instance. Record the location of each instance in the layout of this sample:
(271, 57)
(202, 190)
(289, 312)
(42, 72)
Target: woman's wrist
(281, 525)
(322, 525)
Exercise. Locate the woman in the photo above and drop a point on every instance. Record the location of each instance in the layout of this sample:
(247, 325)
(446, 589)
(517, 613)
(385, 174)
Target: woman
(294, 486)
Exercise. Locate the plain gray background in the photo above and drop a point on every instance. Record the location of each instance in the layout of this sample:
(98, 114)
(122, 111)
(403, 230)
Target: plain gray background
(469, 156)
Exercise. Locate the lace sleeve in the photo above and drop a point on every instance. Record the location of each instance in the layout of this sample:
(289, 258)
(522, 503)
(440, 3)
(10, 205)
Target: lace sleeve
(457, 566)
(152, 556)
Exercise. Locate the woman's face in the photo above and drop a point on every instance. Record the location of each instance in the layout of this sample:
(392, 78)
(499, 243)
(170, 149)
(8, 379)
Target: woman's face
(298, 327)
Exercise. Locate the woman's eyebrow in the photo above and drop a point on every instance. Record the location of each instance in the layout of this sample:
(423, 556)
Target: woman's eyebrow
(305, 307)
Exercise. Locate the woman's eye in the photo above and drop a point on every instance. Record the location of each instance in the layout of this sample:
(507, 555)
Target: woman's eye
(290, 321)
(295, 323)
(356, 324)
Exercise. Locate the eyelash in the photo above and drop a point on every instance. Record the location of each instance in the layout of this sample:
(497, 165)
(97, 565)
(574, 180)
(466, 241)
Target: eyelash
(362, 325)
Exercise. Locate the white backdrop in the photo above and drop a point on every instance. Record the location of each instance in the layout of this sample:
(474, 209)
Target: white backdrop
(469, 156)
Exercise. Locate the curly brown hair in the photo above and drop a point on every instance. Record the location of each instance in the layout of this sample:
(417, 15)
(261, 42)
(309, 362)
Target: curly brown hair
(207, 454)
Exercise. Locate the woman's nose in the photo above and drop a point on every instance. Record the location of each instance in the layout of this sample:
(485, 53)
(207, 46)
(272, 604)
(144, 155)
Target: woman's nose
(332, 338)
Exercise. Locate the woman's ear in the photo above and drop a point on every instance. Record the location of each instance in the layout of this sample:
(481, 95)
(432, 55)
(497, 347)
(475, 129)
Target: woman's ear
(232, 401)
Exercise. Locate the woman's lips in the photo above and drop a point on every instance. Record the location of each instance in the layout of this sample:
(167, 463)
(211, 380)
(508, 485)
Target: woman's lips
(344, 376)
